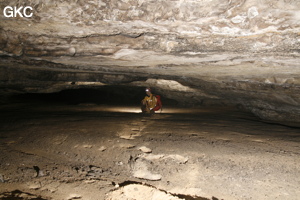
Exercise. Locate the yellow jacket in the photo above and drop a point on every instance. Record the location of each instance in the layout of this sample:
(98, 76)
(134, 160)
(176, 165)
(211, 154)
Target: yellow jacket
(150, 101)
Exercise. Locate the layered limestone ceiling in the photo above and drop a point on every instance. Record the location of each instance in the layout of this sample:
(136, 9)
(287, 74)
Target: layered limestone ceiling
(242, 52)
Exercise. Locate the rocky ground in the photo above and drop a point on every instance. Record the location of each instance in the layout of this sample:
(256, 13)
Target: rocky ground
(89, 151)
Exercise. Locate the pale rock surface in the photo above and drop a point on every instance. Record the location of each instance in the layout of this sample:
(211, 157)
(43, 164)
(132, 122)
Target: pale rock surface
(139, 192)
(145, 149)
(141, 170)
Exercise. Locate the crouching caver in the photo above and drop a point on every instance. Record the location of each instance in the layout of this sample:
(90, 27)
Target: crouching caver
(151, 102)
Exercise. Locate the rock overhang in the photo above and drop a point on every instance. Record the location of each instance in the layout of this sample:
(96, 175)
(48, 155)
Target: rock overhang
(242, 52)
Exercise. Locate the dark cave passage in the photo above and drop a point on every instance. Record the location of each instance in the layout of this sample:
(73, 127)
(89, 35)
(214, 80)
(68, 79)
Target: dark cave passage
(109, 95)
(121, 98)
(94, 137)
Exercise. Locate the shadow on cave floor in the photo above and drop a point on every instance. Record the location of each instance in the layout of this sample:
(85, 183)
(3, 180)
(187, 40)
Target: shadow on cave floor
(19, 195)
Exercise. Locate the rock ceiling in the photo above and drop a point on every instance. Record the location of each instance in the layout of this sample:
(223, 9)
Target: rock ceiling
(243, 52)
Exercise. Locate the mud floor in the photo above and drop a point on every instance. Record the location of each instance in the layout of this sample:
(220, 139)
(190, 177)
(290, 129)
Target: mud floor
(99, 152)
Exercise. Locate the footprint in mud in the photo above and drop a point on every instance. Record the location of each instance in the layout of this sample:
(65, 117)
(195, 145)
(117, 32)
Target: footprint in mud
(133, 130)
(129, 133)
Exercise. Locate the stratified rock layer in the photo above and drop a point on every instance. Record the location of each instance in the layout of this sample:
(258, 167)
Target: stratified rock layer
(243, 52)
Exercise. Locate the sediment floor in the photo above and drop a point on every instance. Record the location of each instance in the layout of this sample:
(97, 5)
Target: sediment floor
(95, 152)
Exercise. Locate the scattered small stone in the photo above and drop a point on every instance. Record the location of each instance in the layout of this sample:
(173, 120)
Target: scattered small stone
(102, 148)
(35, 186)
(41, 173)
(119, 163)
(1, 178)
(127, 146)
(90, 181)
(74, 196)
(95, 168)
(145, 149)
(126, 137)
(145, 174)
(152, 156)
(87, 146)
(175, 157)
(180, 159)
(94, 171)
(37, 169)
(140, 170)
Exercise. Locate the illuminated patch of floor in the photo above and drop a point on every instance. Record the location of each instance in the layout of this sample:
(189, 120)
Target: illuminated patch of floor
(134, 190)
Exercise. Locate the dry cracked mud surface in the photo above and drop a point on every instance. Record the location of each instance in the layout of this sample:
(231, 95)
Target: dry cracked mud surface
(54, 151)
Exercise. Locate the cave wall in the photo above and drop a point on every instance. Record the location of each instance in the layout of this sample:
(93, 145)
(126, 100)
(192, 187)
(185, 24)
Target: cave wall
(243, 52)
(104, 27)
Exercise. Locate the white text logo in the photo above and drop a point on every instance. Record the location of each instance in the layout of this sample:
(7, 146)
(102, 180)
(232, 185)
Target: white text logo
(14, 11)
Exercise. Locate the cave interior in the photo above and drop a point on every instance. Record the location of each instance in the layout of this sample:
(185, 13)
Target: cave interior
(73, 74)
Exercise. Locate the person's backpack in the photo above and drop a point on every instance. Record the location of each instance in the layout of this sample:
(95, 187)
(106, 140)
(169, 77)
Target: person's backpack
(158, 103)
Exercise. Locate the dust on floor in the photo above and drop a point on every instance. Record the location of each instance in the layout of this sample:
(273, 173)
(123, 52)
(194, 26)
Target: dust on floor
(98, 152)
